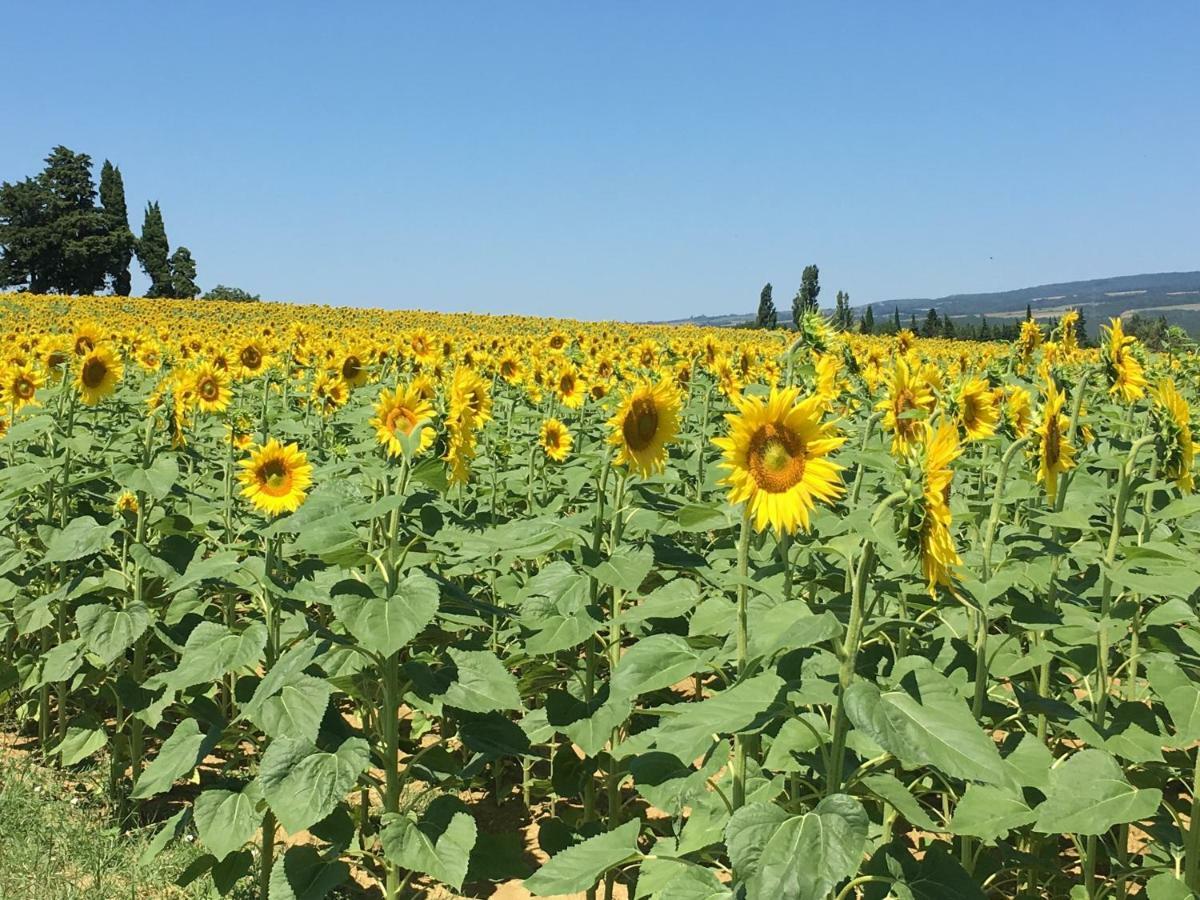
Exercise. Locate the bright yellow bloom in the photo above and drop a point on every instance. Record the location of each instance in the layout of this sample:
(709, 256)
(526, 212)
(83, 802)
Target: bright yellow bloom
(20, 386)
(1019, 411)
(330, 392)
(938, 556)
(1125, 375)
(569, 386)
(976, 412)
(645, 422)
(1173, 431)
(555, 439)
(397, 413)
(1054, 454)
(276, 478)
(98, 374)
(776, 458)
(210, 388)
(470, 392)
(907, 403)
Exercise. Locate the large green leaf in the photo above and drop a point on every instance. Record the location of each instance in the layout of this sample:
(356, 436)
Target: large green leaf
(226, 820)
(303, 783)
(109, 631)
(808, 855)
(989, 813)
(690, 732)
(213, 650)
(384, 625)
(439, 845)
(176, 758)
(1089, 794)
(580, 866)
(748, 831)
(295, 710)
(937, 730)
(481, 683)
(654, 662)
(301, 873)
(82, 537)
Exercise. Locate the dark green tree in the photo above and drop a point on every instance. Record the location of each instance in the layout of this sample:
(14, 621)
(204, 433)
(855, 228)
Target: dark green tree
(984, 334)
(767, 316)
(1028, 313)
(867, 324)
(843, 318)
(806, 298)
(27, 250)
(112, 199)
(153, 253)
(1081, 329)
(231, 294)
(912, 323)
(948, 330)
(933, 325)
(896, 319)
(183, 275)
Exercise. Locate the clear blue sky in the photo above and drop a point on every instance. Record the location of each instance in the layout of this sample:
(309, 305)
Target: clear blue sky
(629, 160)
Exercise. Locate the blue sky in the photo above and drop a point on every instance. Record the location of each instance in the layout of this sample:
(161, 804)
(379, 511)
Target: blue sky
(628, 160)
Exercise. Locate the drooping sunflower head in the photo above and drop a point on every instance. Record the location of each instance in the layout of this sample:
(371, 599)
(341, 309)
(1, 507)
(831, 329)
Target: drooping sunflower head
(975, 410)
(555, 439)
(1171, 420)
(19, 387)
(929, 523)
(99, 371)
(1030, 339)
(645, 422)
(397, 414)
(1053, 452)
(210, 388)
(777, 458)
(275, 478)
(1126, 376)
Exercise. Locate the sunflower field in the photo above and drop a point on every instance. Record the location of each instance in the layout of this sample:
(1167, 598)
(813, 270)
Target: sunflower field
(378, 603)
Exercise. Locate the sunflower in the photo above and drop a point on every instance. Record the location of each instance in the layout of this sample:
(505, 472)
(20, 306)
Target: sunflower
(422, 347)
(907, 402)
(210, 388)
(99, 371)
(275, 478)
(397, 413)
(555, 439)
(353, 368)
(1173, 435)
(127, 503)
(149, 356)
(86, 338)
(975, 410)
(19, 387)
(1053, 453)
(330, 392)
(938, 557)
(470, 392)
(645, 422)
(1125, 374)
(462, 441)
(252, 359)
(568, 386)
(510, 368)
(776, 458)
(1018, 411)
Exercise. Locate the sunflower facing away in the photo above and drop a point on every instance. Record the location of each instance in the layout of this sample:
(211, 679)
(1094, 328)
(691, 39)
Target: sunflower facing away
(938, 556)
(776, 455)
(1054, 454)
(555, 439)
(397, 413)
(645, 422)
(210, 388)
(275, 478)
(99, 371)
(1125, 375)
(1173, 429)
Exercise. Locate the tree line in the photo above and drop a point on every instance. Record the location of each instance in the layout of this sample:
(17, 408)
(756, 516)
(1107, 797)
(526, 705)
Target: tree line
(60, 235)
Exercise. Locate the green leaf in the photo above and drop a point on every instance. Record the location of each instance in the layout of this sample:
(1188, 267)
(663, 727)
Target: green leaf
(385, 625)
(808, 855)
(226, 820)
(580, 866)
(303, 874)
(1165, 886)
(176, 758)
(213, 650)
(690, 733)
(171, 829)
(1089, 794)
(747, 833)
(439, 845)
(674, 599)
(303, 783)
(109, 632)
(626, 569)
(939, 730)
(155, 480)
(82, 537)
(481, 684)
(80, 743)
(989, 813)
(892, 789)
(295, 710)
(653, 663)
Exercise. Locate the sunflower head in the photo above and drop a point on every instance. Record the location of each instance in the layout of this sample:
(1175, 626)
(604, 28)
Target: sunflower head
(645, 422)
(275, 478)
(19, 386)
(975, 410)
(927, 528)
(1053, 453)
(908, 402)
(555, 439)
(398, 414)
(210, 388)
(99, 371)
(1126, 376)
(776, 456)
(1171, 421)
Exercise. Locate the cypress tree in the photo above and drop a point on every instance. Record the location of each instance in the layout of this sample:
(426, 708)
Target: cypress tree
(767, 316)
(153, 253)
(121, 239)
(183, 275)
(868, 321)
(896, 319)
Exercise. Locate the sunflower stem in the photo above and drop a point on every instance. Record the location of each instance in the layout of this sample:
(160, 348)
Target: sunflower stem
(743, 642)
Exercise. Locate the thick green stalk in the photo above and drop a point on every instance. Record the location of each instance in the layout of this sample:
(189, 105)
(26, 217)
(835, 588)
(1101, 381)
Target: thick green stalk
(743, 643)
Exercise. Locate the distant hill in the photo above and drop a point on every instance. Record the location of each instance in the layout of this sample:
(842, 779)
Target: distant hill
(1173, 295)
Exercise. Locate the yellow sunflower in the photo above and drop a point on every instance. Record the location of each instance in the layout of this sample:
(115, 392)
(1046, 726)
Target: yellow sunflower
(330, 392)
(397, 413)
(1173, 429)
(252, 359)
(20, 386)
(1018, 411)
(938, 556)
(568, 386)
(776, 456)
(275, 478)
(645, 422)
(976, 412)
(470, 392)
(99, 371)
(907, 403)
(1054, 454)
(1126, 377)
(353, 368)
(210, 388)
(555, 439)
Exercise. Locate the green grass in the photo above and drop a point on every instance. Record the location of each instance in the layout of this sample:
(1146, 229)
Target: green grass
(58, 840)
